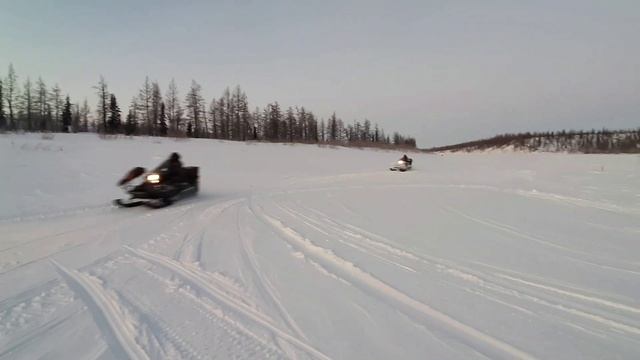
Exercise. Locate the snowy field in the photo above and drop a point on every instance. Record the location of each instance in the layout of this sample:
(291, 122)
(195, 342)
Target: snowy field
(304, 252)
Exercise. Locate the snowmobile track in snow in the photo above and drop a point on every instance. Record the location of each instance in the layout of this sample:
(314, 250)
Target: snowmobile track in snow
(495, 283)
(185, 252)
(476, 339)
(202, 284)
(121, 335)
(509, 230)
(263, 283)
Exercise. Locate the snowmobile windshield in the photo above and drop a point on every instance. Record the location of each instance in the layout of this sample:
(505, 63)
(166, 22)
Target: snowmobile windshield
(163, 165)
(167, 164)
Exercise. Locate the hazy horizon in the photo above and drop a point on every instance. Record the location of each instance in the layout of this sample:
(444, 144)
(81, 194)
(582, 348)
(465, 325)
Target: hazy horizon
(440, 71)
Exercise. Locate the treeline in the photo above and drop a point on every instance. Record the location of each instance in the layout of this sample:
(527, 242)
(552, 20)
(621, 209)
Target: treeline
(590, 142)
(35, 107)
(32, 106)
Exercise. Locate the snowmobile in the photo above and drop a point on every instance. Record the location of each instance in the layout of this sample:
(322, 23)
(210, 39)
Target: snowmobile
(402, 165)
(156, 190)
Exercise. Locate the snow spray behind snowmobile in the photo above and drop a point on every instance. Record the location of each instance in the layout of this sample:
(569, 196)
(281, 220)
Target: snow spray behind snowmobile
(158, 188)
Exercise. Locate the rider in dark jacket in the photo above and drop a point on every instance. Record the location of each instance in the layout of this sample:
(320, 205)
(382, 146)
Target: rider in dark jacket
(174, 168)
(407, 159)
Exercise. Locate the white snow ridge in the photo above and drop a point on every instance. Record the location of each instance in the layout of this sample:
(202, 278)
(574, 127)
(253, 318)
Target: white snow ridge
(303, 252)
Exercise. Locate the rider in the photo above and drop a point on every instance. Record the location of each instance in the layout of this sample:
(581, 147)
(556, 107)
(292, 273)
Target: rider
(174, 168)
(405, 158)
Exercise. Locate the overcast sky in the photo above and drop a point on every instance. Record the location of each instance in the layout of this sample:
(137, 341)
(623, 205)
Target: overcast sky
(442, 71)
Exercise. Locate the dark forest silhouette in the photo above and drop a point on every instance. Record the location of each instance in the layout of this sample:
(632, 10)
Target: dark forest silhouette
(35, 107)
(590, 142)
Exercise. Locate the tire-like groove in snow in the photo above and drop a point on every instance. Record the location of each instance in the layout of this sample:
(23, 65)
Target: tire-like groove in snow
(563, 199)
(499, 283)
(264, 283)
(27, 339)
(483, 343)
(161, 330)
(119, 332)
(185, 251)
(595, 300)
(210, 312)
(202, 284)
(365, 245)
(512, 231)
(366, 236)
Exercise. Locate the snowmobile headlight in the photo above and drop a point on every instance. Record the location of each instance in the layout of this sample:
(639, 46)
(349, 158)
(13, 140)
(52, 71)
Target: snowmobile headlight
(153, 178)
(400, 162)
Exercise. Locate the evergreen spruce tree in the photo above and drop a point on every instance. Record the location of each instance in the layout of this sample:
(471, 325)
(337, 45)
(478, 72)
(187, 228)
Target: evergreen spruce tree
(333, 128)
(290, 120)
(156, 100)
(163, 121)
(274, 122)
(66, 115)
(114, 115)
(258, 124)
(312, 132)
(131, 125)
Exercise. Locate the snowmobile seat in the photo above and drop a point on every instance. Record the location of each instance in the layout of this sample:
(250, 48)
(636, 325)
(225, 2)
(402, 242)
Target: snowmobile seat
(190, 174)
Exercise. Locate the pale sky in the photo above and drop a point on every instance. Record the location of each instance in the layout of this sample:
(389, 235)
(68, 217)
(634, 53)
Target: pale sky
(441, 71)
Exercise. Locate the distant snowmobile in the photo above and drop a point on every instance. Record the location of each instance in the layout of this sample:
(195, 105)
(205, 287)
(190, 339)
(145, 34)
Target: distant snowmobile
(405, 163)
(161, 187)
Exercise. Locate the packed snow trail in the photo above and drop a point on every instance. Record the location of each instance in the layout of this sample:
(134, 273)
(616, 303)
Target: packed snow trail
(306, 252)
(106, 311)
(487, 345)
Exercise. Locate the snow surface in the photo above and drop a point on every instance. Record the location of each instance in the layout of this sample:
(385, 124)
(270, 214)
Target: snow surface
(300, 251)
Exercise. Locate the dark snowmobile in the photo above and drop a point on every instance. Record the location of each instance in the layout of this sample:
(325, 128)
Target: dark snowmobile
(161, 187)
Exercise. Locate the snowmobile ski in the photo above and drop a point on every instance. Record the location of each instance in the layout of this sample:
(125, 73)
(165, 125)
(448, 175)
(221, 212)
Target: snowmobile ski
(158, 203)
(128, 203)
